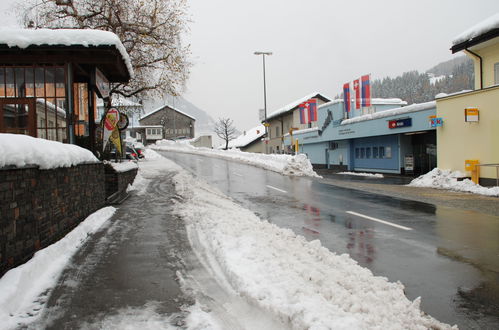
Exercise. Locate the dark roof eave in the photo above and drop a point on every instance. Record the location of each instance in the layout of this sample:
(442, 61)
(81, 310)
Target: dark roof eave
(475, 41)
(98, 55)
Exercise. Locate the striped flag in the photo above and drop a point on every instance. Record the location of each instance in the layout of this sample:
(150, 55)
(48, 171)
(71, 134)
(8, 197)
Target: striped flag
(366, 91)
(346, 96)
(356, 88)
(304, 113)
(313, 109)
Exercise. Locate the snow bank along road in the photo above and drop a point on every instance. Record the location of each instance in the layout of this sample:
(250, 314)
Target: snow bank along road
(447, 257)
(237, 272)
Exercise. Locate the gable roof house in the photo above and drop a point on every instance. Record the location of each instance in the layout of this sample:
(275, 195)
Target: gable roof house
(471, 118)
(174, 123)
(250, 141)
(286, 118)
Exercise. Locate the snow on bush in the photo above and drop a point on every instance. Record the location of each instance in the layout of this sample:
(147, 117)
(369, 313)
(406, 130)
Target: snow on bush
(21, 150)
(446, 179)
(300, 282)
(298, 165)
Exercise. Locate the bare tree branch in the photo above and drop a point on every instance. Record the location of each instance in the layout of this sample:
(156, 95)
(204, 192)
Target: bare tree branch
(150, 30)
(225, 130)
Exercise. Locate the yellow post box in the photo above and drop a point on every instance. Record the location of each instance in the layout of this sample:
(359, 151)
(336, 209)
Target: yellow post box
(470, 165)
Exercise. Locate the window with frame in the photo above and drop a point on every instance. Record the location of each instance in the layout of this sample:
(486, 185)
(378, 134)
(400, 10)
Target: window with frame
(46, 84)
(375, 152)
(362, 152)
(388, 152)
(368, 152)
(381, 152)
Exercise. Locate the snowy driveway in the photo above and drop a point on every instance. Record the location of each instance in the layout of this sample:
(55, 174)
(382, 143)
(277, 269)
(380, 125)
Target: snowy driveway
(447, 257)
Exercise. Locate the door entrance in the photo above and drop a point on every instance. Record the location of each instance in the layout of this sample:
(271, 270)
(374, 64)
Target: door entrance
(425, 152)
(18, 116)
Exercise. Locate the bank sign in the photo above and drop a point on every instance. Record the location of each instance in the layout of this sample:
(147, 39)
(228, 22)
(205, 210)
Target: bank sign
(398, 123)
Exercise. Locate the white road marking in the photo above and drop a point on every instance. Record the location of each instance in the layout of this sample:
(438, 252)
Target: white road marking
(378, 220)
(283, 191)
(237, 174)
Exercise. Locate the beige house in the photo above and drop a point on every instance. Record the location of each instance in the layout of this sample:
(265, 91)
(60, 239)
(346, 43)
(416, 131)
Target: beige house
(284, 119)
(470, 128)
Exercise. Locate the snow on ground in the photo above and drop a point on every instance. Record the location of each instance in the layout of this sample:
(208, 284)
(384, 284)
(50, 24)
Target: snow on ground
(446, 179)
(123, 166)
(21, 150)
(24, 288)
(370, 175)
(302, 283)
(298, 165)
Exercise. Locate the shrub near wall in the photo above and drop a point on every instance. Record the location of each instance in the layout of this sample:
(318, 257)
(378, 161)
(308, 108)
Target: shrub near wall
(38, 207)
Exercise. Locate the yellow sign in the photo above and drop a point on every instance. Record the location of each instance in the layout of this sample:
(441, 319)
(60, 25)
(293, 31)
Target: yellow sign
(471, 115)
(266, 124)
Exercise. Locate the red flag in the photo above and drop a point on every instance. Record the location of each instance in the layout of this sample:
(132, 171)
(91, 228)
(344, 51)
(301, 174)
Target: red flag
(313, 109)
(366, 91)
(356, 88)
(346, 96)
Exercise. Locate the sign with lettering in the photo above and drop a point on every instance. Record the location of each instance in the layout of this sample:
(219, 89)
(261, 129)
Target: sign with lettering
(436, 122)
(471, 115)
(398, 123)
(102, 84)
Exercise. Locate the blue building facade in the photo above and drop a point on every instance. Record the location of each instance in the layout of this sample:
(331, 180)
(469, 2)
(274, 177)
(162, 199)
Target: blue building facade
(388, 137)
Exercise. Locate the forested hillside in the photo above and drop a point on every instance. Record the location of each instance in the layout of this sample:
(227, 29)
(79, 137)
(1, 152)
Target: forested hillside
(417, 87)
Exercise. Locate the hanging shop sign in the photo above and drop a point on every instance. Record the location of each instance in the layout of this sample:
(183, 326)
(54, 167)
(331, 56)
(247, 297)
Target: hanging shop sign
(101, 84)
(436, 122)
(111, 131)
(471, 115)
(398, 123)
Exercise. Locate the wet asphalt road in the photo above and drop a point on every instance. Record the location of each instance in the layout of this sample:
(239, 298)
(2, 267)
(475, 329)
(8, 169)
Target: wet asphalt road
(448, 257)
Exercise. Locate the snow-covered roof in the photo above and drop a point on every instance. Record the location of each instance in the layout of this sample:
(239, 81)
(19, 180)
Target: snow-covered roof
(24, 38)
(296, 103)
(161, 108)
(442, 95)
(483, 27)
(392, 112)
(375, 101)
(303, 131)
(251, 135)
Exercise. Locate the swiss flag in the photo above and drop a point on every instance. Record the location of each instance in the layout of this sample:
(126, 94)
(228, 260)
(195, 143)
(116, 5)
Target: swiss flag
(356, 88)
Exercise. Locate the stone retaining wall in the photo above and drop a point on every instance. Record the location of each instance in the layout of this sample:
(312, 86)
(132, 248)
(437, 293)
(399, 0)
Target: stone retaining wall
(38, 207)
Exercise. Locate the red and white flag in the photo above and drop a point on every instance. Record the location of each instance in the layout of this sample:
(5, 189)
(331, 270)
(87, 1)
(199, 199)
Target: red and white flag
(356, 88)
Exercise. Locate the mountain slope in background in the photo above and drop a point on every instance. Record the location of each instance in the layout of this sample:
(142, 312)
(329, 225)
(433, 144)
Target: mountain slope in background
(415, 87)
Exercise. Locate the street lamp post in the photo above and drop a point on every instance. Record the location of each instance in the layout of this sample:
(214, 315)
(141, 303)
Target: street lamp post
(264, 95)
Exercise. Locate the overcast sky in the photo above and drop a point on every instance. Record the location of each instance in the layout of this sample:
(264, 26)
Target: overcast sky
(317, 45)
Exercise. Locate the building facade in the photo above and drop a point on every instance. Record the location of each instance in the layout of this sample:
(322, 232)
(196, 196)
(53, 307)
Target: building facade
(175, 124)
(281, 121)
(387, 138)
(471, 119)
(49, 81)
